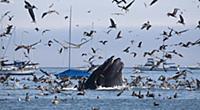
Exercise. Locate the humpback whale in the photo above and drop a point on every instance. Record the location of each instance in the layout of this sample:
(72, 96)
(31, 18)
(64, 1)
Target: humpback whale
(108, 74)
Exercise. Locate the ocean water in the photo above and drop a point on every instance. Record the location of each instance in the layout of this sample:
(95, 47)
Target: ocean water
(12, 95)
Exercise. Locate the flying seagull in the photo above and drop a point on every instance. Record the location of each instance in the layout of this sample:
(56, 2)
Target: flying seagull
(77, 45)
(146, 25)
(27, 47)
(49, 12)
(173, 14)
(181, 20)
(30, 10)
(113, 25)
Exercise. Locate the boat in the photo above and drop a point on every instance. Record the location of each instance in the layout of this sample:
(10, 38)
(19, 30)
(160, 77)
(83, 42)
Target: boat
(17, 68)
(72, 73)
(195, 67)
(150, 63)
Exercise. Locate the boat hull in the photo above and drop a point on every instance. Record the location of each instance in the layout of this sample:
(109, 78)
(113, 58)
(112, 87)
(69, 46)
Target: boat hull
(155, 69)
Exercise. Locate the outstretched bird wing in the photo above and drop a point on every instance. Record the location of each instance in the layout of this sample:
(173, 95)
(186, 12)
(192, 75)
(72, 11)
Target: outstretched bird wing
(27, 3)
(154, 1)
(36, 43)
(130, 4)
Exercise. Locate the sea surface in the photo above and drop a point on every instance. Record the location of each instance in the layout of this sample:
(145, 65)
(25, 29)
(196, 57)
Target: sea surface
(12, 95)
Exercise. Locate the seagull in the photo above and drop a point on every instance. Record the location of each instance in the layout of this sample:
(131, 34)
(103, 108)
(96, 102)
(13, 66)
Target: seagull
(119, 35)
(140, 44)
(198, 26)
(146, 25)
(7, 32)
(113, 25)
(126, 50)
(173, 14)
(127, 6)
(5, 14)
(89, 34)
(62, 44)
(55, 100)
(174, 52)
(181, 20)
(180, 32)
(103, 42)
(50, 43)
(134, 54)
(27, 97)
(30, 10)
(66, 17)
(77, 45)
(27, 47)
(60, 51)
(94, 50)
(44, 31)
(150, 53)
(49, 12)
(37, 29)
(154, 1)
(10, 18)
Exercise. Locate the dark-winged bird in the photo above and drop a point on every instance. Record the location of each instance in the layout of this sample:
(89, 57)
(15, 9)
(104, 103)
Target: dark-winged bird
(127, 6)
(173, 14)
(89, 34)
(140, 44)
(146, 25)
(113, 25)
(126, 50)
(7, 32)
(103, 42)
(181, 20)
(8, 29)
(30, 10)
(119, 35)
(10, 18)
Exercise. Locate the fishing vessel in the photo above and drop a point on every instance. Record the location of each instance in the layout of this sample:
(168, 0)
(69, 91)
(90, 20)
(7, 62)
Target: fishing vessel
(17, 68)
(148, 66)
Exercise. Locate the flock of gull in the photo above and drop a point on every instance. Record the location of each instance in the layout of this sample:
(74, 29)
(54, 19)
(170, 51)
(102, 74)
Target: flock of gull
(47, 85)
(177, 81)
(125, 6)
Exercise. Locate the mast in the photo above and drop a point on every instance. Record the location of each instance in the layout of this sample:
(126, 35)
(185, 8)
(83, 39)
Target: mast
(70, 24)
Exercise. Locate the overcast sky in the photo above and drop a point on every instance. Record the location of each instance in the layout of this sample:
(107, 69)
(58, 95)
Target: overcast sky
(100, 11)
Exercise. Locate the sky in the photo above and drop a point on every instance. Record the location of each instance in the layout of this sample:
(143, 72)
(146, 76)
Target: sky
(99, 20)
